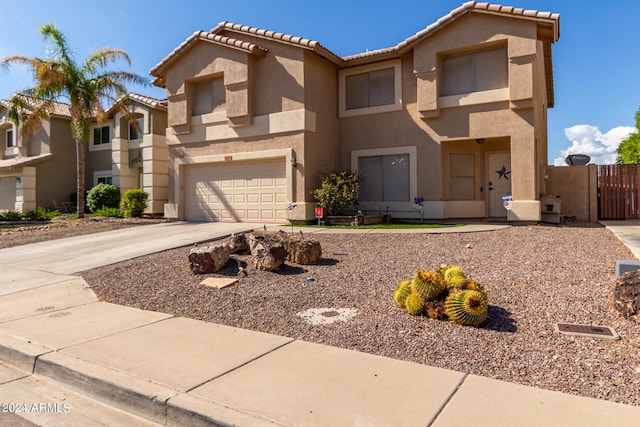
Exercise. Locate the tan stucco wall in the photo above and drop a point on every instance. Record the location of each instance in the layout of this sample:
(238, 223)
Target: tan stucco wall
(96, 161)
(577, 188)
(321, 146)
(56, 178)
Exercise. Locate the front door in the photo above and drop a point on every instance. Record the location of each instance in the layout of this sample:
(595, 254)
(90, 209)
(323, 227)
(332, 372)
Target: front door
(498, 175)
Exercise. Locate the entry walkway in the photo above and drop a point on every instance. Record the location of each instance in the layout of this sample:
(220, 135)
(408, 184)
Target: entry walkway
(86, 362)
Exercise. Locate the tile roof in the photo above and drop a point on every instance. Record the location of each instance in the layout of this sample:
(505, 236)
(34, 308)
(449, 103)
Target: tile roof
(208, 37)
(24, 161)
(59, 108)
(159, 104)
(280, 37)
(468, 7)
(548, 31)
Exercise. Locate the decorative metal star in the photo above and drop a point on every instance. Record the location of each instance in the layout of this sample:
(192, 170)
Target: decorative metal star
(503, 173)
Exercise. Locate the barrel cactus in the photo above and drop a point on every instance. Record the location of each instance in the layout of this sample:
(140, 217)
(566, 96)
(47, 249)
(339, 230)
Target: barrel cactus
(466, 307)
(414, 304)
(402, 292)
(427, 284)
(457, 282)
(452, 272)
(475, 286)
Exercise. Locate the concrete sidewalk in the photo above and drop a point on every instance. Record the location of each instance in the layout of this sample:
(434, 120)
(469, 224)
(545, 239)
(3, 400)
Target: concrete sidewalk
(86, 362)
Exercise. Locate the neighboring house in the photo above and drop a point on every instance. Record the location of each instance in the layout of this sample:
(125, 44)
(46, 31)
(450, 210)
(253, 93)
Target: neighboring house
(455, 115)
(39, 171)
(132, 157)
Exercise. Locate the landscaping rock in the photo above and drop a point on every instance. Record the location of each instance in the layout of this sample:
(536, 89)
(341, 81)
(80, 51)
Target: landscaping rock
(208, 258)
(303, 251)
(267, 250)
(237, 243)
(626, 296)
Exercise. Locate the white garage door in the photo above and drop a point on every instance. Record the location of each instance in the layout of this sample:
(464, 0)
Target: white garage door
(235, 192)
(8, 193)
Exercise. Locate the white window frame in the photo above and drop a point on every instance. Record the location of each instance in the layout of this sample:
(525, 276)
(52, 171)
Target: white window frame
(141, 132)
(412, 151)
(101, 146)
(396, 106)
(13, 138)
(102, 174)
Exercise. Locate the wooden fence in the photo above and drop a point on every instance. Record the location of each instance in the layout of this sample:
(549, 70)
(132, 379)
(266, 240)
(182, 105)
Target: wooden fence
(618, 191)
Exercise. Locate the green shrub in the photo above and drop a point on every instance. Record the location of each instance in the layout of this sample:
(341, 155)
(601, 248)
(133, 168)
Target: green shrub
(109, 212)
(40, 214)
(11, 216)
(103, 195)
(338, 191)
(134, 202)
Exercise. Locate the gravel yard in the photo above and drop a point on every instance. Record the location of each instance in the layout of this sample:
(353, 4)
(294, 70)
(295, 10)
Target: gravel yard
(535, 276)
(60, 227)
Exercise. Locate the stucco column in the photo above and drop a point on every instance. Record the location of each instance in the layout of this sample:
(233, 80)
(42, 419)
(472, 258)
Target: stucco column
(26, 190)
(524, 175)
(155, 175)
(124, 177)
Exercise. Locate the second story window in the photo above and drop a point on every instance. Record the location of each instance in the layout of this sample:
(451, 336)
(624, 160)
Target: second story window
(475, 72)
(134, 133)
(370, 89)
(101, 135)
(209, 96)
(10, 141)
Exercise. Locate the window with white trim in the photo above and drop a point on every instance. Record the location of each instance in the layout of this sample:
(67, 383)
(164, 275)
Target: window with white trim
(386, 178)
(101, 135)
(134, 133)
(475, 72)
(9, 138)
(105, 180)
(370, 89)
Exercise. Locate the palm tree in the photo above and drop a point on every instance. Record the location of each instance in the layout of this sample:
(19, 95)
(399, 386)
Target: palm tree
(85, 87)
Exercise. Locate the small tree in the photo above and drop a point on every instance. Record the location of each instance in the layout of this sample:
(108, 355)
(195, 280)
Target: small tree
(338, 191)
(134, 202)
(103, 196)
(629, 148)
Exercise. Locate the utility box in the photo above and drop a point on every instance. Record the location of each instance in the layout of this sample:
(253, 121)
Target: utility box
(551, 209)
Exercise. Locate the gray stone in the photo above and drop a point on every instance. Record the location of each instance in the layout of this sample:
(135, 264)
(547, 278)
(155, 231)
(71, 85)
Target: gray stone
(208, 258)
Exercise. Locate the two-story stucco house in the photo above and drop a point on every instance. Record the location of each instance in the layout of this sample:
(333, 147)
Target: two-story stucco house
(38, 171)
(455, 115)
(132, 157)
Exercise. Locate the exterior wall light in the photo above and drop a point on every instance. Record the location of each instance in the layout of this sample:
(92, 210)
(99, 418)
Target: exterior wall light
(479, 140)
(294, 162)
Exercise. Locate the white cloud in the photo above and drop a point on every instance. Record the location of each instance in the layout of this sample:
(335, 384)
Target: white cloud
(589, 140)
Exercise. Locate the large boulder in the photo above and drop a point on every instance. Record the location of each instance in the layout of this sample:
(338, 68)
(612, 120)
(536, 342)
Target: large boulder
(625, 300)
(209, 258)
(267, 250)
(237, 243)
(303, 251)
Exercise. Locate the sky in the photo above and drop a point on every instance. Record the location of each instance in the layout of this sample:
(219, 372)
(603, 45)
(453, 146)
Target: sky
(595, 61)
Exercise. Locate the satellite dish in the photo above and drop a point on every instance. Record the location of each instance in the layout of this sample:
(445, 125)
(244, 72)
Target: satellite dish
(577, 159)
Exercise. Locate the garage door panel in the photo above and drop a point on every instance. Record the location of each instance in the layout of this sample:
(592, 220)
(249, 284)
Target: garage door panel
(8, 193)
(254, 191)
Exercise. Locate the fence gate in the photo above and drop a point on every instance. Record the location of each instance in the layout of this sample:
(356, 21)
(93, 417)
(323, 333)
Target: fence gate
(618, 191)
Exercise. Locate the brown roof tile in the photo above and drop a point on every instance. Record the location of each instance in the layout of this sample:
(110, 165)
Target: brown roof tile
(209, 37)
(548, 19)
(59, 108)
(24, 161)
